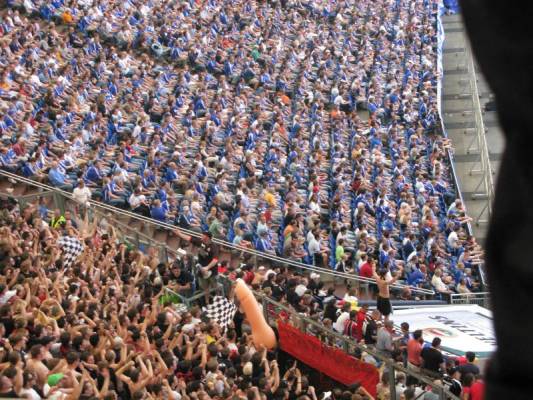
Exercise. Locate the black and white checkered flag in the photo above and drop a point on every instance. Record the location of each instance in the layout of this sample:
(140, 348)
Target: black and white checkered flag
(71, 247)
(221, 310)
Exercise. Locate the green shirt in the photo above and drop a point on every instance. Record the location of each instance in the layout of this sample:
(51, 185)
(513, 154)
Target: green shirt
(255, 54)
(339, 253)
(215, 227)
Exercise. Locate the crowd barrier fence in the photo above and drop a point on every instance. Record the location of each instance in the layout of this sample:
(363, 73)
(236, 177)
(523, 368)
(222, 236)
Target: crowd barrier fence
(63, 198)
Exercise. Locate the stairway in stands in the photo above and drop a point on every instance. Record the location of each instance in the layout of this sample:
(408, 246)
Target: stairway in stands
(457, 106)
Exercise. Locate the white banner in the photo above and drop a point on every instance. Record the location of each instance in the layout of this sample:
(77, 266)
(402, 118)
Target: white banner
(461, 328)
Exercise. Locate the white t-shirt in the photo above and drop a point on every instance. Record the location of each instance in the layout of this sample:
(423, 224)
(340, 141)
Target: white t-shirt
(438, 284)
(300, 290)
(314, 246)
(135, 201)
(341, 321)
(81, 195)
(313, 206)
(7, 295)
(453, 239)
(30, 394)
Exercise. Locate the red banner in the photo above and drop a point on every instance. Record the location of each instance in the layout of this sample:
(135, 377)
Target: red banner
(329, 360)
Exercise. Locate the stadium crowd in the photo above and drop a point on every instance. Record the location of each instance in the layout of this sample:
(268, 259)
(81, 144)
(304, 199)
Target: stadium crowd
(304, 129)
(101, 327)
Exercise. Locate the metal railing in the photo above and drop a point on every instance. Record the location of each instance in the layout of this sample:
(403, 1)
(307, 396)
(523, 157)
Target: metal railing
(485, 188)
(256, 255)
(272, 310)
(480, 298)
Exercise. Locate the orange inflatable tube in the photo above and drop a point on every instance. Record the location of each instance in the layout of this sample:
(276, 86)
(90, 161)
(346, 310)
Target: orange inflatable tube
(262, 333)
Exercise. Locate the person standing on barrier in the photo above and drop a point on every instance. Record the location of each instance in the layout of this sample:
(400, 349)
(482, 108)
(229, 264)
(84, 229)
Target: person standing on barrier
(207, 260)
(383, 282)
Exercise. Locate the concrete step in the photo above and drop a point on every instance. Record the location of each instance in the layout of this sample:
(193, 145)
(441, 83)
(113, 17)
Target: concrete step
(463, 158)
(475, 208)
(451, 18)
(450, 50)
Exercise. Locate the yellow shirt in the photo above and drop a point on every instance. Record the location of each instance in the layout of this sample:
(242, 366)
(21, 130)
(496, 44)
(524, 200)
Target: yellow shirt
(67, 18)
(270, 199)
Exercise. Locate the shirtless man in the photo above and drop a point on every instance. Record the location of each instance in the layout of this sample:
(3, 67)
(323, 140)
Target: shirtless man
(383, 303)
(36, 365)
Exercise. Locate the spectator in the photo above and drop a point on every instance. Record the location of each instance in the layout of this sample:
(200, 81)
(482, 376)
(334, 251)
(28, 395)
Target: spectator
(371, 328)
(414, 350)
(432, 359)
(81, 193)
(344, 316)
(384, 342)
(469, 367)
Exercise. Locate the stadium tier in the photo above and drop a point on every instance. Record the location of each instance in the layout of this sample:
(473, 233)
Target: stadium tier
(307, 130)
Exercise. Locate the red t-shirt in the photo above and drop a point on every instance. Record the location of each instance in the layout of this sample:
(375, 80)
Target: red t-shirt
(414, 349)
(360, 320)
(461, 360)
(248, 277)
(477, 390)
(365, 270)
(268, 215)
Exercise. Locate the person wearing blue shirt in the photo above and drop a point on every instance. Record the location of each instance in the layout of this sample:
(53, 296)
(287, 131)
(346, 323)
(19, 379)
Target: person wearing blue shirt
(171, 174)
(263, 243)
(111, 194)
(94, 175)
(7, 159)
(408, 245)
(157, 211)
(416, 277)
(57, 178)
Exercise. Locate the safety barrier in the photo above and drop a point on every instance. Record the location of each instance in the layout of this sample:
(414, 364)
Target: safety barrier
(273, 309)
(481, 299)
(61, 196)
(485, 188)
